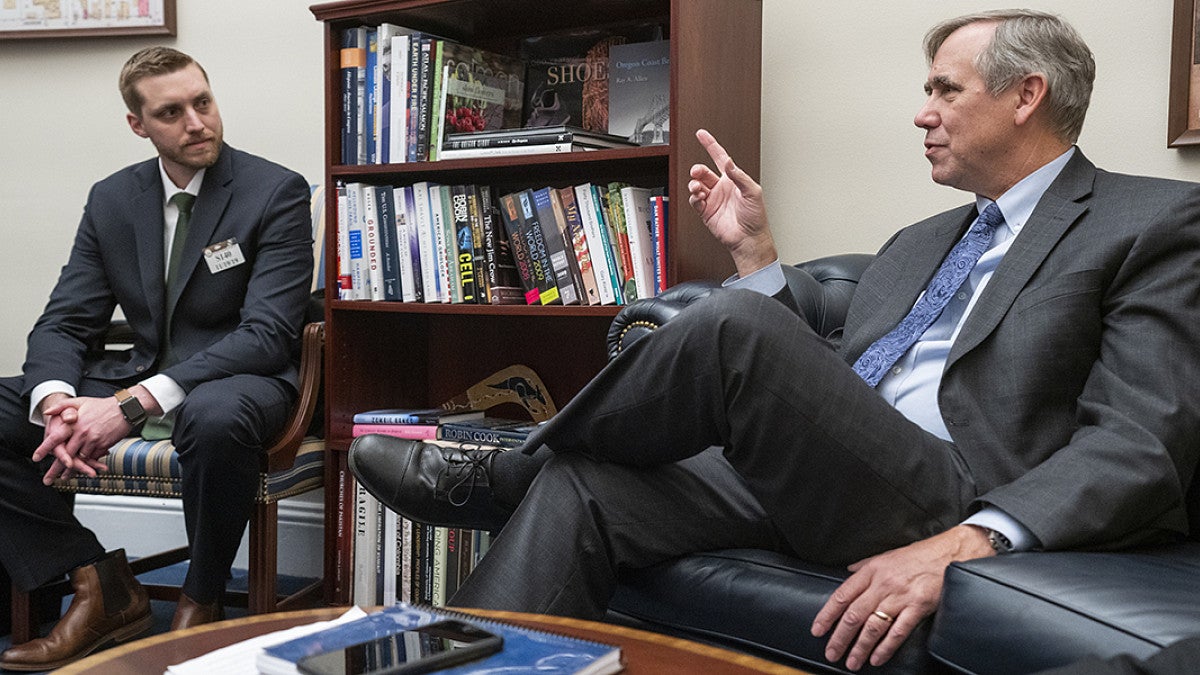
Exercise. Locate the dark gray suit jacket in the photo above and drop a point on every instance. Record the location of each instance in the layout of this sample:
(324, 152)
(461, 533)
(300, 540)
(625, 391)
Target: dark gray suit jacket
(246, 319)
(1072, 393)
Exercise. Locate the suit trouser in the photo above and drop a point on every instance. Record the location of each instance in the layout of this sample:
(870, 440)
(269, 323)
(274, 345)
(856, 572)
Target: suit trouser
(220, 429)
(837, 472)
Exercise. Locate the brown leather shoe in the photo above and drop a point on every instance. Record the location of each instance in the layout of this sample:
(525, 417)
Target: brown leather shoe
(109, 606)
(190, 613)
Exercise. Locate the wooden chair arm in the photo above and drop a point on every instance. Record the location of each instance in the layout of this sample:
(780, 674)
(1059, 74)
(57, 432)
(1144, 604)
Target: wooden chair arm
(282, 453)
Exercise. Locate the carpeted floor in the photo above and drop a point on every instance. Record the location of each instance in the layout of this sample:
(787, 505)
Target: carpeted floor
(163, 611)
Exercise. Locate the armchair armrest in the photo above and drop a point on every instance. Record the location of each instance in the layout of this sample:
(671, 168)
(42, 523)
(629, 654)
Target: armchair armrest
(281, 454)
(822, 289)
(645, 316)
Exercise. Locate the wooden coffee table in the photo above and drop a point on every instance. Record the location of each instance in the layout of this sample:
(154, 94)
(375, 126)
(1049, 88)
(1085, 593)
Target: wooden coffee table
(644, 652)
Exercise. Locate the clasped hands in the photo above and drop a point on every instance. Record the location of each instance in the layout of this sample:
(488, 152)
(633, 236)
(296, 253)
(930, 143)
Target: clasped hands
(79, 432)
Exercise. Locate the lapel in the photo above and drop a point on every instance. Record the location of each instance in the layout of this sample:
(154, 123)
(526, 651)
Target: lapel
(913, 261)
(1060, 207)
(206, 213)
(147, 207)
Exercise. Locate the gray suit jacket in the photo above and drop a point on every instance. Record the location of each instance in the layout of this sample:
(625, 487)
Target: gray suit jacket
(246, 319)
(1073, 390)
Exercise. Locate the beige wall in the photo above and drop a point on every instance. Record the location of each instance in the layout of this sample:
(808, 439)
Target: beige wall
(842, 162)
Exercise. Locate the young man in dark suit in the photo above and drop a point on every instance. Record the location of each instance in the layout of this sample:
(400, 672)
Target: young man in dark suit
(213, 364)
(1000, 383)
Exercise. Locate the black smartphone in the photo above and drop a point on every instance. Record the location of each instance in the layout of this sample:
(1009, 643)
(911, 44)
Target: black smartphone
(417, 650)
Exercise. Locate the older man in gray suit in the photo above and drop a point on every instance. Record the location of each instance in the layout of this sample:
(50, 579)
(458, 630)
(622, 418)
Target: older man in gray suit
(1018, 373)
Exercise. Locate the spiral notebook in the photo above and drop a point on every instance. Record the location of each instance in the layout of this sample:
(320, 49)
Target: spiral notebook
(525, 652)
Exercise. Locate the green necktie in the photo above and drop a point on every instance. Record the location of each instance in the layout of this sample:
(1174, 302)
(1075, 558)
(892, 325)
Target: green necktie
(157, 428)
(184, 202)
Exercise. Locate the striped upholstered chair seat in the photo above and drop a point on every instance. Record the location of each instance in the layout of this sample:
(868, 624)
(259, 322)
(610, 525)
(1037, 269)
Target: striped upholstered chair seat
(141, 468)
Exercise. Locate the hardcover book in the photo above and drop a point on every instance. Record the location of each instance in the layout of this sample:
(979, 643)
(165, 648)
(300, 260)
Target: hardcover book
(413, 416)
(534, 136)
(658, 232)
(539, 250)
(510, 214)
(465, 240)
(564, 231)
(639, 92)
(426, 239)
(556, 246)
(475, 215)
(476, 90)
(418, 432)
(495, 431)
(503, 282)
(526, 651)
(598, 248)
(359, 282)
(579, 244)
(345, 284)
(389, 249)
(439, 210)
(636, 203)
(567, 74)
(353, 64)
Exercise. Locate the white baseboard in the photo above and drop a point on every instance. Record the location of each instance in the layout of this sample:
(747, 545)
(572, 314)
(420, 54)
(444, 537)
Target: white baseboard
(142, 525)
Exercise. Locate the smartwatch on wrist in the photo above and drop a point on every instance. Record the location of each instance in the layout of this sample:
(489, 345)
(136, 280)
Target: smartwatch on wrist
(131, 408)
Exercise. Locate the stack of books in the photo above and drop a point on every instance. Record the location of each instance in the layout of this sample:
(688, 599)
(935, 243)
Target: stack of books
(528, 141)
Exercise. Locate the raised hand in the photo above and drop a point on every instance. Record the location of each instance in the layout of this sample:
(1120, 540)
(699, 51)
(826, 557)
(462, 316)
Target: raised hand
(731, 205)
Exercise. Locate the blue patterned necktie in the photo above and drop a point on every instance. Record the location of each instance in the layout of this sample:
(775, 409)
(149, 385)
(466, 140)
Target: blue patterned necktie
(881, 355)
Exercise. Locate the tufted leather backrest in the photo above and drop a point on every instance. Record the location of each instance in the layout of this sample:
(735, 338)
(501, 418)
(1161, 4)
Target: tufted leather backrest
(823, 288)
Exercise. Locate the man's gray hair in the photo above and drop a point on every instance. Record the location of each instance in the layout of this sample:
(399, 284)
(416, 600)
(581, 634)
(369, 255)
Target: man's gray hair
(1026, 42)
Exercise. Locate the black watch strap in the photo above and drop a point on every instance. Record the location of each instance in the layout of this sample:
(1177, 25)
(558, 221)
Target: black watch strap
(131, 408)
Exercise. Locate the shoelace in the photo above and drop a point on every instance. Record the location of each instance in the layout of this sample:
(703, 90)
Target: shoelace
(476, 460)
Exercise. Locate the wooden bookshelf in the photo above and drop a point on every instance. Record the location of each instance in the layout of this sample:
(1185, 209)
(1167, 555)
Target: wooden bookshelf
(390, 354)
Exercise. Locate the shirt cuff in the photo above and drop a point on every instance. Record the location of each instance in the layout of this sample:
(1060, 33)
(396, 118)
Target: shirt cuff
(40, 392)
(164, 390)
(993, 518)
(769, 280)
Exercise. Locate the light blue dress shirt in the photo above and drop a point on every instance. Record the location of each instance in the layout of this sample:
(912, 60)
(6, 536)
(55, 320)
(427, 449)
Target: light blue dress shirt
(912, 384)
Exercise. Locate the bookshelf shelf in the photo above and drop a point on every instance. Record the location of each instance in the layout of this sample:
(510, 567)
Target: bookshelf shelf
(394, 354)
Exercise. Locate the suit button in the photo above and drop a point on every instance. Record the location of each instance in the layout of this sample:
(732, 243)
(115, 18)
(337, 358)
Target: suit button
(140, 368)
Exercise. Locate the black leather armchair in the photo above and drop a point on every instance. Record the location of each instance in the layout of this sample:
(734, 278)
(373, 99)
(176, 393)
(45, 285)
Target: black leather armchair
(1012, 614)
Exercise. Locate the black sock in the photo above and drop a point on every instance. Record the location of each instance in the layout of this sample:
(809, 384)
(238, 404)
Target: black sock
(512, 473)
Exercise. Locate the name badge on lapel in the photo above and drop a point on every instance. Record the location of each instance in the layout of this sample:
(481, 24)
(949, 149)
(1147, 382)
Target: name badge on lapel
(223, 255)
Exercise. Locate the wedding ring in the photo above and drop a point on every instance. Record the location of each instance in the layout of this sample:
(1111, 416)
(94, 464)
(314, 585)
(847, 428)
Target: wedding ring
(883, 615)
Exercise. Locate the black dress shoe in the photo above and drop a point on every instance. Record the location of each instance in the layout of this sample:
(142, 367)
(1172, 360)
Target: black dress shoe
(428, 483)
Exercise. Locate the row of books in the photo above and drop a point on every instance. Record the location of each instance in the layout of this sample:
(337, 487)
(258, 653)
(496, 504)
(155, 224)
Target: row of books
(404, 91)
(395, 559)
(577, 245)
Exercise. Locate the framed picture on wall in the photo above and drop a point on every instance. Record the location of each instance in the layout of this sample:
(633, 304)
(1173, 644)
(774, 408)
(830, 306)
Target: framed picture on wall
(31, 19)
(1183, 114)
